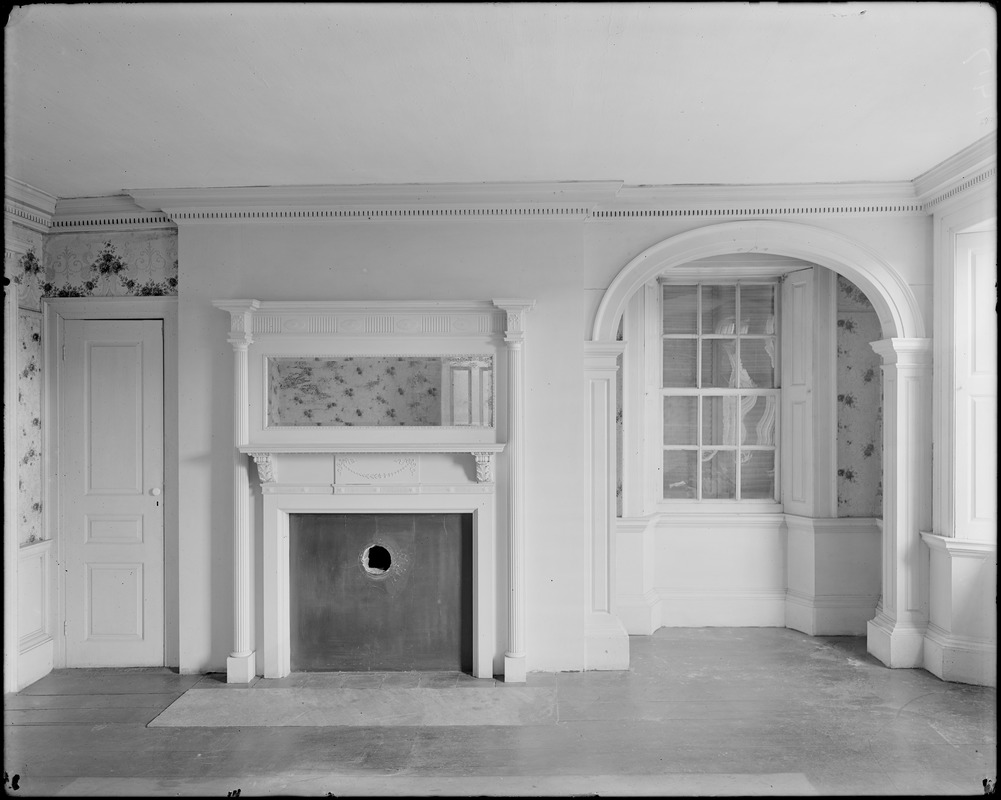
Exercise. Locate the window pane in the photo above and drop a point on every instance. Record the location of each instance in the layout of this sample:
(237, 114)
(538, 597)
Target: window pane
(719, 309)
(679, 309)
(757, 358)
(757, 309)
(758, 413)
(719, 475)
(719, 417)
(679, 474)
(757, 475)
(718, 363)
(679, 363)
(681, 420)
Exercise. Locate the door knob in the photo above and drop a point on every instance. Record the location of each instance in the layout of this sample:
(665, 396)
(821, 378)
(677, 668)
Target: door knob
(155, 492)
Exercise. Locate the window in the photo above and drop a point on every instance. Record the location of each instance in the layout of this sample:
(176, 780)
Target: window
(720, 387)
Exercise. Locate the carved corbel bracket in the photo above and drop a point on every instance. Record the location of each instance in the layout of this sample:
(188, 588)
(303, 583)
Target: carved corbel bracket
(266, 467)
(484, 467)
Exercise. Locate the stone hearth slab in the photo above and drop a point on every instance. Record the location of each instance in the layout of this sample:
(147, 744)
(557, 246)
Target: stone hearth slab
(386, 706)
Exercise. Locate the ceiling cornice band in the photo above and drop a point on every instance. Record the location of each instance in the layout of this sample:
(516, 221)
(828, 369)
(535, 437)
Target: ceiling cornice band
(968, 170)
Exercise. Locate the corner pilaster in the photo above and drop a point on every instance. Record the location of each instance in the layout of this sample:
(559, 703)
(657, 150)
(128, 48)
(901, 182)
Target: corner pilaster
(606, 640)
(896, 635)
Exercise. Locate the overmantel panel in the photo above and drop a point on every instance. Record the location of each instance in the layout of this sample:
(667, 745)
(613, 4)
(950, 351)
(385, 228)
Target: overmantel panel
(366, 330)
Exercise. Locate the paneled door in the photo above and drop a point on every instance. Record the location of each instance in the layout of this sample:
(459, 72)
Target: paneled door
(110, 485)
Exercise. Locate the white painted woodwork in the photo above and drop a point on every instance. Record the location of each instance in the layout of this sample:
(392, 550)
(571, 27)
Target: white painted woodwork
(606, 640)
(895, 636)
(10, 471)
(111, 502)
(893, 299)
(976, 378)
(515, 664)
(241, 665)
(832, 574)
(374, 469)
(961, 642)
(797, 450)
(378, 496)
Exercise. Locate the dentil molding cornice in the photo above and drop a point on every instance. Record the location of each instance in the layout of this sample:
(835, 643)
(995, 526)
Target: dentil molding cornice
(27, 205)
(966, 170)
(419, 202)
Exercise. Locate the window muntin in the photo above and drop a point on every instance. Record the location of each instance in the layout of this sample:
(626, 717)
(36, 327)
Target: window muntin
(720, 388)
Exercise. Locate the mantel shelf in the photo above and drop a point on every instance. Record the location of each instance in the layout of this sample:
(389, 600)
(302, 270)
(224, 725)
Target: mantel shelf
(370, 447)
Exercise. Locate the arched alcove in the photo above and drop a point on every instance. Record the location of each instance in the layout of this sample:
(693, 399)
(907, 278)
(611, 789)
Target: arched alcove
(895, 635)
(890, 295)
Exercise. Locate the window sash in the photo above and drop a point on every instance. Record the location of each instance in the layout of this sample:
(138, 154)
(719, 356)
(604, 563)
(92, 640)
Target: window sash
(701, 449)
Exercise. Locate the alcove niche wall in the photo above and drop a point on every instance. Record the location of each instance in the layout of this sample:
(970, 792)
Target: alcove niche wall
(443, 388)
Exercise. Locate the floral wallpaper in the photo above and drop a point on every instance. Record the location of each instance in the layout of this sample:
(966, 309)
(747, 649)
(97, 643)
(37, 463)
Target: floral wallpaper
(860, 406)
(28, 417)
(120, 264)
(354, 391)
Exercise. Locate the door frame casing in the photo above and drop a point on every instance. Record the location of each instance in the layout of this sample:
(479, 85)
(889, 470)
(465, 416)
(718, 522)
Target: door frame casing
(55, 310)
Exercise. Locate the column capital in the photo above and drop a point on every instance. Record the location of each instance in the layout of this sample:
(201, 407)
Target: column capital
(241, 314)
(515, 308)
(904, 352)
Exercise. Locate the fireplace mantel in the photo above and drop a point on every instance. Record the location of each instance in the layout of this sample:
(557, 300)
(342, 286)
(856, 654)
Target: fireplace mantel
(313, 467)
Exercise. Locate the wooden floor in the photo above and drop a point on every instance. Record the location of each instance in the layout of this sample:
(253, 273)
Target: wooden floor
(706, 711)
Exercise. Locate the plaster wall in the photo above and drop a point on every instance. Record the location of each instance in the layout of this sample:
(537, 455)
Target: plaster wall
(388, 261)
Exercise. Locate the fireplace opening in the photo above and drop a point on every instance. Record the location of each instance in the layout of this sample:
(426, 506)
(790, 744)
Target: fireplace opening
(409, 608)
(376, 559)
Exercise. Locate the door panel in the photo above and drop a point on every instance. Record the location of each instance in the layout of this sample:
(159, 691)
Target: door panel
(111, 476)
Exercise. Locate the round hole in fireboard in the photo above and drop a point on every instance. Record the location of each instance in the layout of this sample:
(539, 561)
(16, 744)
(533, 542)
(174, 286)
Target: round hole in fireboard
(376, 559)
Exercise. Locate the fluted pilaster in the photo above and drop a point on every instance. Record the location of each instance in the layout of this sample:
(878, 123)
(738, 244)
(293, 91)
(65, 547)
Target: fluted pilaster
(514, 337)
(241, 665)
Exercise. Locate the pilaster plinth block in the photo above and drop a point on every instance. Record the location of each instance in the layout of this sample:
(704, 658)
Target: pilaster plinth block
(241, 669)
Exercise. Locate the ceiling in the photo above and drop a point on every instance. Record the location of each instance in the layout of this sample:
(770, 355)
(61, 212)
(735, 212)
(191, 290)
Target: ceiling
(101, 98)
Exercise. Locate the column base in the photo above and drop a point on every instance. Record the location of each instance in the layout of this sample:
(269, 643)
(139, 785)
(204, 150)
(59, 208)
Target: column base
(241, 669)
(897, 645)
(606, 645)
(514, 669)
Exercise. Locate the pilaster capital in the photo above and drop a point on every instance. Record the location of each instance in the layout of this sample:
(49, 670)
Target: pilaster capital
(241, 313)
(904, 352)
(601, 355)
(515, 308)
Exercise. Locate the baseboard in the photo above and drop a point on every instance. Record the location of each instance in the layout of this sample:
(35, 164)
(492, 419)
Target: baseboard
(639, 613)
(606, 643)
(34, 660)
(829, 615)
(960, 659)
(722, 608)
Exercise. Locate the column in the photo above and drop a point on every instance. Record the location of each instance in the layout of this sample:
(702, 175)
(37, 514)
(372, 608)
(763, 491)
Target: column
(606, 640)
(514, 337)
(241, 666)
(896, 635)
